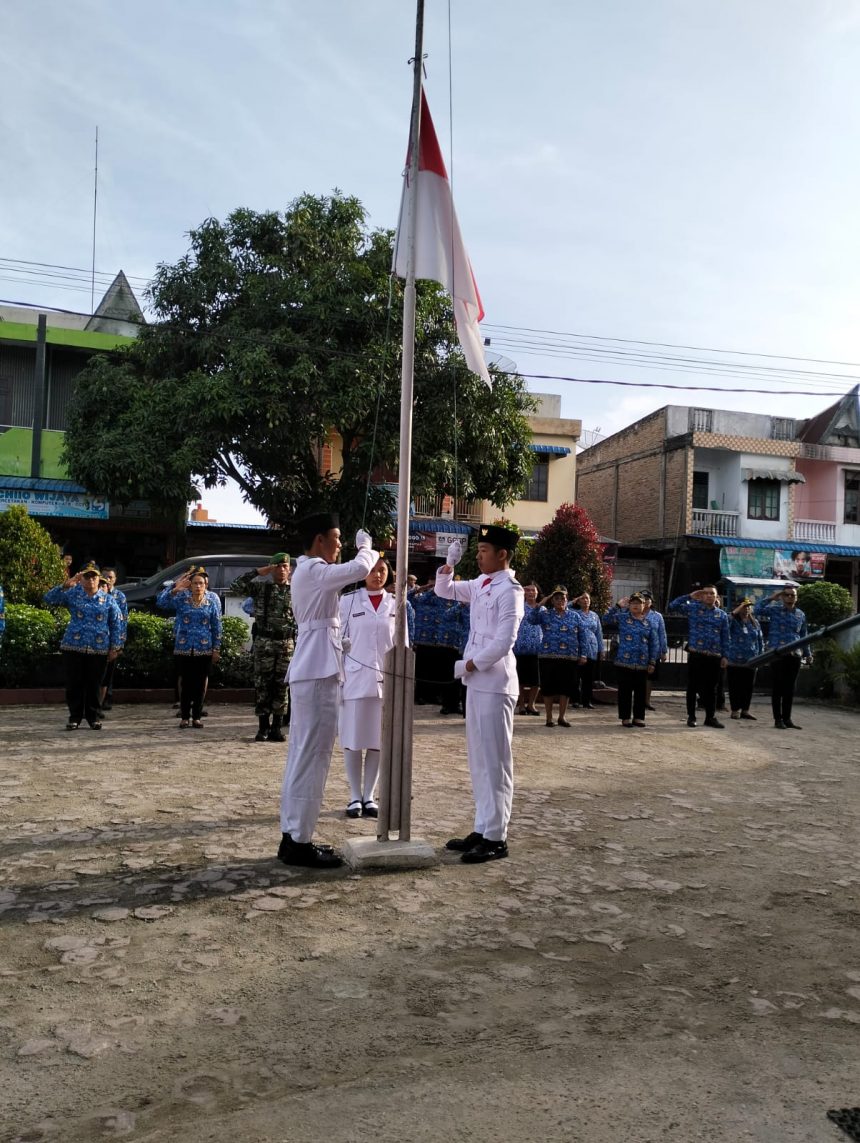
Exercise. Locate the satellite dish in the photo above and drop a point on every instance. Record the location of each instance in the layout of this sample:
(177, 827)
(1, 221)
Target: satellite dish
(500, 362)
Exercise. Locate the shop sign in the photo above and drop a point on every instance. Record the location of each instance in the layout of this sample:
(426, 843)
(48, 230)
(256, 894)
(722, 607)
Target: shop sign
(767, 563)
(77, 505)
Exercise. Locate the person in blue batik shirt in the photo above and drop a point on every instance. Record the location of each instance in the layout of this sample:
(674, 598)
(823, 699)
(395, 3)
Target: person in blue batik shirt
(2, 615)
(109, 580)
(93, 637)
(560, 653)
(636, 657)
(708, 649)
(197, 640)
(526, 651)
(745, 642)
(592, 647)
(786, 623)
(659, 623)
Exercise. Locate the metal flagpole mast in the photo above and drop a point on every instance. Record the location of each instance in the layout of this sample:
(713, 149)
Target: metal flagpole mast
(396, 760)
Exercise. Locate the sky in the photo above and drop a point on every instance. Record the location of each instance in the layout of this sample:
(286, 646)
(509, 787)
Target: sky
(678, 172)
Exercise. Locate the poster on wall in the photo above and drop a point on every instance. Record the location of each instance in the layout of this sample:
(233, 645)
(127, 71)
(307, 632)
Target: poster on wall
(803, 566)
(756, 563)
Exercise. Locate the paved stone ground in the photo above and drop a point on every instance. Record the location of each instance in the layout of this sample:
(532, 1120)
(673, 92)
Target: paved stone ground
(669, 953)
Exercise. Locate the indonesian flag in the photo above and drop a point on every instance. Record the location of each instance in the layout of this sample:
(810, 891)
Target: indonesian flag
(439, 251)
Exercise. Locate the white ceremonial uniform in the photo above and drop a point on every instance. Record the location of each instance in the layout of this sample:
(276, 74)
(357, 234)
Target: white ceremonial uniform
(314, 675)
(496, 608)
(369, 632)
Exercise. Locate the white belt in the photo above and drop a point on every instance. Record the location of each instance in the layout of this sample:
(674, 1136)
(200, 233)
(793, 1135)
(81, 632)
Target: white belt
(318, 625)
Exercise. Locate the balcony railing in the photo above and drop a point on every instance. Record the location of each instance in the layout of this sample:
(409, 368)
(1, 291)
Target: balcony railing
(467, 510)
(821, 530)
(708, 522)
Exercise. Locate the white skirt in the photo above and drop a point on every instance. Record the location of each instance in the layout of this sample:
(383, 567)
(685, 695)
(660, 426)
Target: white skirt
(361, 724)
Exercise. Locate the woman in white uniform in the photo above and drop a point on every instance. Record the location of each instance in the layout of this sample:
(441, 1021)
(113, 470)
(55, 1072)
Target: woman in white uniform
(367, 629)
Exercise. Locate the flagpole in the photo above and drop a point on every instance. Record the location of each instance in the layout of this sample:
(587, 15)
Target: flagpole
(396, 762)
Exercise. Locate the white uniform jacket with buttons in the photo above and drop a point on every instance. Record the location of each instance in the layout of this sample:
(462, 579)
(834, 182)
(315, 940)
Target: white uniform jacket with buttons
(316, 587)
(370, 633)
(495, 612)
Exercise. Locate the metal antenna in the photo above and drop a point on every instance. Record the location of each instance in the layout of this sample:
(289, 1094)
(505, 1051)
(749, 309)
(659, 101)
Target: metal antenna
(95, 208)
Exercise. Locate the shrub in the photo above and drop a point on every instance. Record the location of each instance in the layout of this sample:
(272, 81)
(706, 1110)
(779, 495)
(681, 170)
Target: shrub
(32, 638)
(30, 561)
(146, 658)
(824, 603)
(235, 668)
(825, 669)
(468, 565)
(849, 663)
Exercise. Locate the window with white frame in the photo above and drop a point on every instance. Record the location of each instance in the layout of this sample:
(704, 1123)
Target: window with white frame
(852, 497)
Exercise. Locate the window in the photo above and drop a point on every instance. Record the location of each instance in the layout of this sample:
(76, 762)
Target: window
(782, 428)
(852, 498)
(701, 420)
(763, 502)
(700, 490)
(538, 485)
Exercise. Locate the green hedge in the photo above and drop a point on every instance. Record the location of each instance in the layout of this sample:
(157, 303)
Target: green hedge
(29, 656)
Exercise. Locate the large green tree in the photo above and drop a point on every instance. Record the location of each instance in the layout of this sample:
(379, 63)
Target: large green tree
(273, 330)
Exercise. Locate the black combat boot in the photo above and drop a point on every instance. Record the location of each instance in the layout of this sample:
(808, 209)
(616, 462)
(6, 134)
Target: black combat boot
(260, 736)
(276, 734)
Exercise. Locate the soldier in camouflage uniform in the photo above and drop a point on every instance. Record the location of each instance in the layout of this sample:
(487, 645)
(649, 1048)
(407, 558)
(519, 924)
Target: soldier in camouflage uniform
(274, 635)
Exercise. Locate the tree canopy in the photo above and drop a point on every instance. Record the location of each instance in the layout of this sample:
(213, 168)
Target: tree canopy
(567, 553)
(271, 332)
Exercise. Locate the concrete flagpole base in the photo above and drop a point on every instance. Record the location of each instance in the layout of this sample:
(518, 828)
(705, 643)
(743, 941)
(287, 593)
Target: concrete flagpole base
(369, 853)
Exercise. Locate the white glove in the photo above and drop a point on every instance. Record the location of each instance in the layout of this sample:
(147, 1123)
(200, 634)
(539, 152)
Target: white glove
(362, 539)
(460, 669)
(455, 553)
(346, 645)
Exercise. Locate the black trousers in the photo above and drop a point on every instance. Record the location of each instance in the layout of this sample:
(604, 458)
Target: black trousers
(741, 680)
(193, 670)
(107, 679)
(585, 683)
(783, 673)
(83, 681)
(703, 674)
(631, 692)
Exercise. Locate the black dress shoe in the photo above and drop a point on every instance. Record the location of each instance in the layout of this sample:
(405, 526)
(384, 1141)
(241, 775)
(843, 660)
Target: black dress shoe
(353, 810)
(648, 706)
(779, 725)
(369, 809)
(485, 850)
(691, 722)
(715, 722)
(747, 715)
(789, 725)
(307, 854)
(463, 844)
(95, 726)
(72, 725)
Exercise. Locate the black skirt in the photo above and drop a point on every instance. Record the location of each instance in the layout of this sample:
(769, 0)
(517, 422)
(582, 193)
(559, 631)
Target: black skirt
(528, 671)
(557, 676)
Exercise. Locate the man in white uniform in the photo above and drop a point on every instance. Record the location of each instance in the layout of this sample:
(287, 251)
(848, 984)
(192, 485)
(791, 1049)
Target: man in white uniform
(489, 671)
(315, 673)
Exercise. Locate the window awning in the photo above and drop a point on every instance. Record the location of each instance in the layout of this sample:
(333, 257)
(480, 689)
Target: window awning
(438, 524)
(40, 484)
(783, 475)
(783, 545)
(550, 450)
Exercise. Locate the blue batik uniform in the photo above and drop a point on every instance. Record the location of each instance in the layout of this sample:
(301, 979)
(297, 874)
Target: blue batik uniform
(659, 623)
(438, 622)
(2, 614)
(561, 632)
(638, 641)
(745, 641)
(708, 626)
(95, 624)
(590, 633)
(121, 602)
(529, 639)
(197, 629)
(785, 623)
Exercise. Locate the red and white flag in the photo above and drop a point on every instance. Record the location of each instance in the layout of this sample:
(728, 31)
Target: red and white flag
(439, 251)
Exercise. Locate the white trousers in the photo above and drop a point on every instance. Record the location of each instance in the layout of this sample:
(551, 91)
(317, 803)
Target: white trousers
(489, 730)
(313, 727)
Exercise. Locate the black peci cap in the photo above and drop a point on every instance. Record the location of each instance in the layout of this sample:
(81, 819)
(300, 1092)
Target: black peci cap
(498, 537)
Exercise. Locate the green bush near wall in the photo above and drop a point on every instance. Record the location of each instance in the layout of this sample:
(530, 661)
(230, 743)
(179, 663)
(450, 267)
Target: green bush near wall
(29, 656)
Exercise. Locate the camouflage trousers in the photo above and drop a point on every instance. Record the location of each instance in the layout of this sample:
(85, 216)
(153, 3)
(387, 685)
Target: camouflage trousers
(271, 659)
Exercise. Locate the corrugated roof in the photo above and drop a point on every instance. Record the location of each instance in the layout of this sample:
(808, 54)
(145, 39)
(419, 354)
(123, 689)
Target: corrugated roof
(40, 484)
(553, 450)
(439, 524)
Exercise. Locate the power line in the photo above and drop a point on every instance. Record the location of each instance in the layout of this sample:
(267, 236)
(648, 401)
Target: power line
(667, 385)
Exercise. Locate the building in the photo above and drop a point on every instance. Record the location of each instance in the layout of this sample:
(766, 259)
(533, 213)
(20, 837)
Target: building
(694, 495)
(41, 354)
